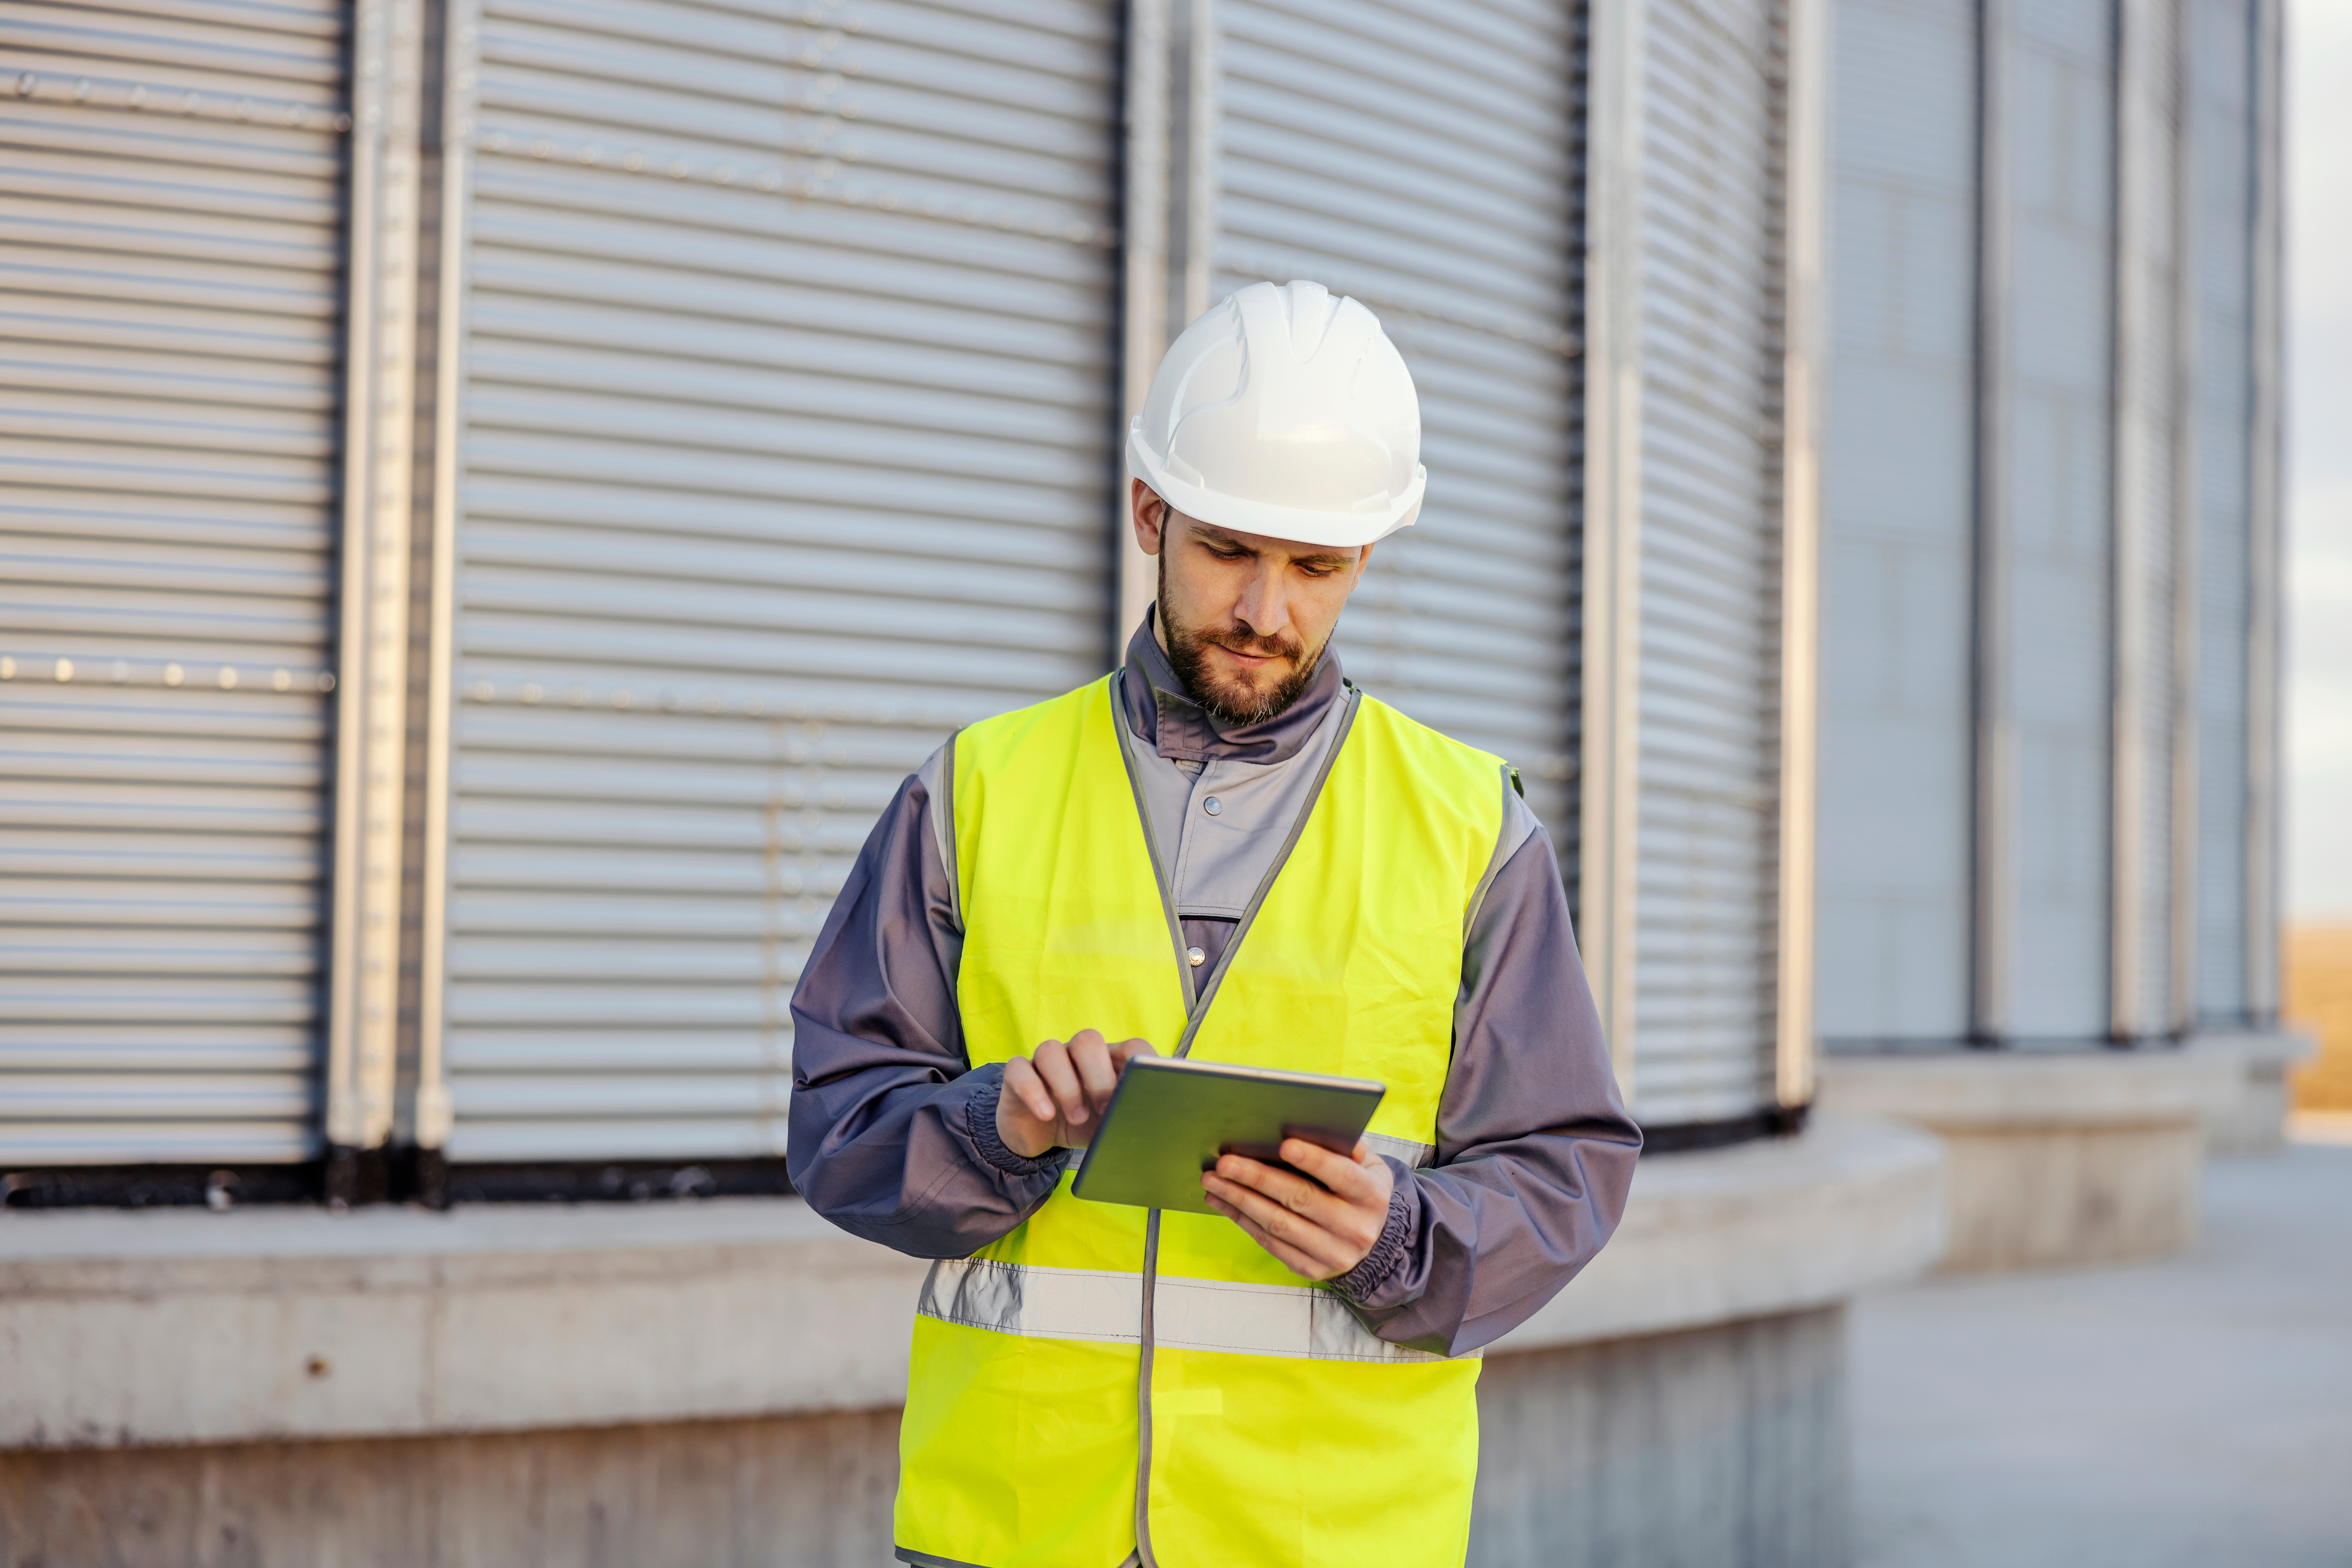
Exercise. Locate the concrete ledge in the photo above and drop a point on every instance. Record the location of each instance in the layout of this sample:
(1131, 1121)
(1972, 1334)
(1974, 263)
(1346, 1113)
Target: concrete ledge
(2250, 1116)
(1763, 1228)
(179, 1326)
(2088, 1157)
(1957, 1091)
(1719, 1445)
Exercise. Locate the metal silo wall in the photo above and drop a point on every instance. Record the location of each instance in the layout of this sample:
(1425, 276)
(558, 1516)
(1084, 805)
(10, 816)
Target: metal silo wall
(172, 277)
(1898, 520)
(2062, 64)
(1423, 157)
(789, 379)
(2152, 437)
(2220, 79)
(1714, 76)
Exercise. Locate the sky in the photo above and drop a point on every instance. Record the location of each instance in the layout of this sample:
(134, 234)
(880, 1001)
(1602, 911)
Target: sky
(2319, 461)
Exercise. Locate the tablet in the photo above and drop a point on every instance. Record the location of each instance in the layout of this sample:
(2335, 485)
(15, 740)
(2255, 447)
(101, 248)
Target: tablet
(1170, 1118)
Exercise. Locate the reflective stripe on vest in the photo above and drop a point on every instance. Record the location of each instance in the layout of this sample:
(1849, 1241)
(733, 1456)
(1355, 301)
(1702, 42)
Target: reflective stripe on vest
(1106, 1305)
(1101, 1382)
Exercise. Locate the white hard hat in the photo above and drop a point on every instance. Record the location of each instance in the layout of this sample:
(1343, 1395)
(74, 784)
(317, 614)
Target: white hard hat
(1288, 413)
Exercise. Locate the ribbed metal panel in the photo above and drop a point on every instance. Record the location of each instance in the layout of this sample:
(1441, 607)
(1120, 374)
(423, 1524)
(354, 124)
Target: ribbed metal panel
(789, 445)
(1425, 158)
(2061, 158)
(1899, 524)
(1710, 662)
(171, 202)
(2221, 65)
(2155, 249)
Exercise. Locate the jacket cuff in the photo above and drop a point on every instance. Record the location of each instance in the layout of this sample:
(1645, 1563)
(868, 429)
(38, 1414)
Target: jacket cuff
(979, 1126)
(1388, 1253)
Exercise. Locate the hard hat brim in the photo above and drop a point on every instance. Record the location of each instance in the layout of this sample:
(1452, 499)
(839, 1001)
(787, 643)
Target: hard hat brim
(1298, 525)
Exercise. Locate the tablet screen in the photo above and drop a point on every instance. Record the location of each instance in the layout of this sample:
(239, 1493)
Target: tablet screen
(1171, 1118)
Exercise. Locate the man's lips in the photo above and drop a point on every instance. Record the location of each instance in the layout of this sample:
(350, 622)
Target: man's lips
(1247, 660)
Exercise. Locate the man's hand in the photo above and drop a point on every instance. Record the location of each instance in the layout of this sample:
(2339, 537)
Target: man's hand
(1320, 1228)
(1055, 1099)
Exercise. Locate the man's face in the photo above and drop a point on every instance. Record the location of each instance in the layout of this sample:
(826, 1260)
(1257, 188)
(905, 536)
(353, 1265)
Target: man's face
(1244, 618)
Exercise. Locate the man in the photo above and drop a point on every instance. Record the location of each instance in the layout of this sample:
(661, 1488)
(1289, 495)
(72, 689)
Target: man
(1223, 850)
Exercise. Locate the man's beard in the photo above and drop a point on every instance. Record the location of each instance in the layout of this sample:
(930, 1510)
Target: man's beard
(1231, 703)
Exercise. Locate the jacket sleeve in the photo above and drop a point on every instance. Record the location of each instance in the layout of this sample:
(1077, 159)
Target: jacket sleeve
(1534, 1148)
(893, 1135)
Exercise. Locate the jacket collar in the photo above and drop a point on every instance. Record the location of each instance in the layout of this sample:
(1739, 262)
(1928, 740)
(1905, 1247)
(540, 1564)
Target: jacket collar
(1163, 712)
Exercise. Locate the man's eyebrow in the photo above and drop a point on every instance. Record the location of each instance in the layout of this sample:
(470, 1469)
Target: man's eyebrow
(1218, 536)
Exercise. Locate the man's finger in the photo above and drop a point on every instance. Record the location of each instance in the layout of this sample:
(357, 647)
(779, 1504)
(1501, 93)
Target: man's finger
(1285, 1187)
(1279, 1223)
(1271, 1216)
(1299, 1246)
(1127, 1051)
(1343, 1176)
(1289, 1257)
(1053, 1060)
(1091, 1057)
(1027, 1089)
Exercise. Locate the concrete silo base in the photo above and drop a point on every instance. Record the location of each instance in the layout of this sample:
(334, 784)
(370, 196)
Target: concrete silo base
(2252, 1120)
(716, 1383)
(1723, 1445)
(2073, 1158)
(1720, 1445)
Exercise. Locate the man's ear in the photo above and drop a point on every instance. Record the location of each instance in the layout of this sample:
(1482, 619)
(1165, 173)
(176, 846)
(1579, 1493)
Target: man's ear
(1149, 514)
(1363, 560)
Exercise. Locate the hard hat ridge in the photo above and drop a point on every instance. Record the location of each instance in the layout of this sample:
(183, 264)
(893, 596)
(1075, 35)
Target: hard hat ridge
(1311, 308)
(1285, 412)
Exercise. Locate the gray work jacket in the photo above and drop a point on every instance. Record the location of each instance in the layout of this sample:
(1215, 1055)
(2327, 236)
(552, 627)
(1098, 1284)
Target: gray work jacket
(894, 1132)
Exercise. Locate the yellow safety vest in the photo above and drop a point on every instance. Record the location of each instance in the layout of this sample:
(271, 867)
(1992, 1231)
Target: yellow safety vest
(1095, 1342)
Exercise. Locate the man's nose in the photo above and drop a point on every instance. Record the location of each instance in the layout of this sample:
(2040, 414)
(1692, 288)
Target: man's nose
(1265, 606)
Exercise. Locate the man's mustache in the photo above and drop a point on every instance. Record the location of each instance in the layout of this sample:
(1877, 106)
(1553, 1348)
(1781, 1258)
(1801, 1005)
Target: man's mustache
(1257, 646)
